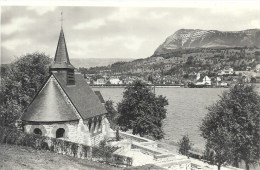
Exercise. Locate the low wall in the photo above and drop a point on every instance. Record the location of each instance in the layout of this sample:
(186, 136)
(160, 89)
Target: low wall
(144, 149)
(177, 165)
(16, 137)
(134, 137)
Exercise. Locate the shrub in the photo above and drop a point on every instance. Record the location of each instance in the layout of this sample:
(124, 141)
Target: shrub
(86, 151)
(184, 145)
(74, 149)
(13, 136)
(45, 146)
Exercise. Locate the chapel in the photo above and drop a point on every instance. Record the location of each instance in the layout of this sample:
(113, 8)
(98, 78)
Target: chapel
(65, 106)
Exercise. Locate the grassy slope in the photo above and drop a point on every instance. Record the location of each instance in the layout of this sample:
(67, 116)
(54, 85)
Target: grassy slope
(17, 157)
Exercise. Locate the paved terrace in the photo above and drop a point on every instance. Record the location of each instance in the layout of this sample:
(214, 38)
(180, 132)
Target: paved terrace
(145, 151)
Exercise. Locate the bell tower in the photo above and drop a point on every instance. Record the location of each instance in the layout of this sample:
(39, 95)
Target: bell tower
(61, 61)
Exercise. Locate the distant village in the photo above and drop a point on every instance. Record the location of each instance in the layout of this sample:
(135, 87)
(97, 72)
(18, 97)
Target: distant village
(197, 68)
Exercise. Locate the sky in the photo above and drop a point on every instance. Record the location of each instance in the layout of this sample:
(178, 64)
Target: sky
(110, 32)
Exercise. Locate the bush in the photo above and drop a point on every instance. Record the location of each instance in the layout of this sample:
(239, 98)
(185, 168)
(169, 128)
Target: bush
(13, 136)
(74, 149)
(45, 146)
(184, 145)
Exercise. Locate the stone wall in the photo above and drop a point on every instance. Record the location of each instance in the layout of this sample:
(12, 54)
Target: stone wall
(95, 140)
(50, 129)
(178, 165)
(75, 131)
(17, 137)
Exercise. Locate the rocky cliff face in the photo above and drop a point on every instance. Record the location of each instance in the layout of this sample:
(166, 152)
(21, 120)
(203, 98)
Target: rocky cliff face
(192, 38)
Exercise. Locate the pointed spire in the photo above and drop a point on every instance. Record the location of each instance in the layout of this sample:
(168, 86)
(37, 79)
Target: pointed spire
(61, 55)
(61, 59)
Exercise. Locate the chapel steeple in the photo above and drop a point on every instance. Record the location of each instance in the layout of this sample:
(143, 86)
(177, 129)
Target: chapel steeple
(61, 61)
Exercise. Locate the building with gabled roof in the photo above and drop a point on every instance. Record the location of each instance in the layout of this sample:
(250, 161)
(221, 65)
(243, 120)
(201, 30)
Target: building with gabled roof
(65, 106)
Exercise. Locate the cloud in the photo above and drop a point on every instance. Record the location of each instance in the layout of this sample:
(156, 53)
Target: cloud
(5, 9)
(93, 24)
(40, 10)
(16, 25)
(133, 43)
(187, 20)
(112, 32)
(255, 23)
(122, 14)
(15, 43)
(81, 48)
(158, 15)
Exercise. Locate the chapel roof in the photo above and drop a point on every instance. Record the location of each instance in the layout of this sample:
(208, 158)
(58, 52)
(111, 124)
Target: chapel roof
(49, 105)
(81, 95)
(100, 97)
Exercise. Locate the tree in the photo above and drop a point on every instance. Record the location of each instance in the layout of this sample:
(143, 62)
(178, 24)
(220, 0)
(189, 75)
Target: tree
(184, 145)
(105, 150)
(22, 80)
(215, 153)
(190, 60)
(111, 114)
(117, 134)
(150, 79)
(232, 125)
(142, 111)
(186, 76)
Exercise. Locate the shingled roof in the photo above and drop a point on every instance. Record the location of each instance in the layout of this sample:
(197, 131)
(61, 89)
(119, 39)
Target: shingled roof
(49, 105)
(100, 96)
(81, 95)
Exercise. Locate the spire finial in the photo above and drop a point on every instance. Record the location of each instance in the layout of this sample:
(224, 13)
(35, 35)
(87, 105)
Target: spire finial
(61, 19)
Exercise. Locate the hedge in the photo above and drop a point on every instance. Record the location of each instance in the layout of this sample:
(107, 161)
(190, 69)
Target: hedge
(17, 137)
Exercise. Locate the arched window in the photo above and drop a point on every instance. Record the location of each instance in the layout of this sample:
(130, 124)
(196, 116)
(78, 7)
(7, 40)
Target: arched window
(60, 133)
(99, 123)
(37, 131)
(89, 124)
(95, 124)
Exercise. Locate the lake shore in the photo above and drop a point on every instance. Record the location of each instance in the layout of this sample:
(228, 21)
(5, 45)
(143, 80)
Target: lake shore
(123, 86)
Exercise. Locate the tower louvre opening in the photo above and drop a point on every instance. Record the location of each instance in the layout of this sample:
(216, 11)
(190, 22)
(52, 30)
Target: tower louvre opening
(70, 77)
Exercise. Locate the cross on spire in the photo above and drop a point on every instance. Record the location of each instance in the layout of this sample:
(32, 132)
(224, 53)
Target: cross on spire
(61, 19)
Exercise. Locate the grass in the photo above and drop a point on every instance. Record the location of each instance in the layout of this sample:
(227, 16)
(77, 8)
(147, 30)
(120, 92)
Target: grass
(14, 157)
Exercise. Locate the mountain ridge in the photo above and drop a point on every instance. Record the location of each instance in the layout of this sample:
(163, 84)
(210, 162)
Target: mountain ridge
(198, 38)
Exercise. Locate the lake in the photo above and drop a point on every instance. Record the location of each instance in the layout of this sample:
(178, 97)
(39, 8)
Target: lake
(186, 109)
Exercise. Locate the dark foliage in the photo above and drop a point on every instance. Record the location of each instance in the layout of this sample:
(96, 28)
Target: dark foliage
(13, 136)
(111, 114)
(232, 127)
(20, 83)
(142, 111)
(184, 145)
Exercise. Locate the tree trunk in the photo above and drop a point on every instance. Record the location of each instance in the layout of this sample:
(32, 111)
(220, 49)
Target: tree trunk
(236, 163)
(219, 166)
(141, 134)
(247, 165)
